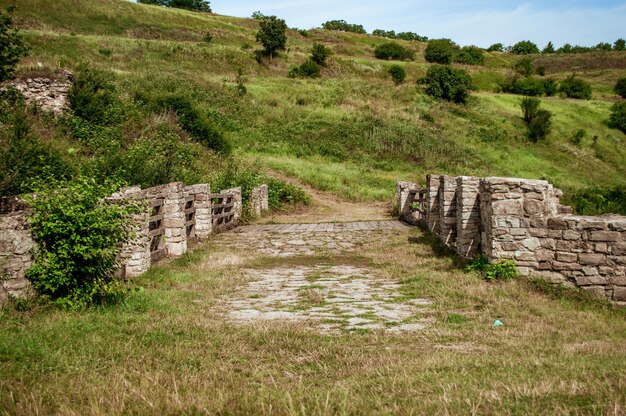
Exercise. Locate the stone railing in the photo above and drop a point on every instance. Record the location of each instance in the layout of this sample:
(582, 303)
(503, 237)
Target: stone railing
(523, 220)
(173, 218)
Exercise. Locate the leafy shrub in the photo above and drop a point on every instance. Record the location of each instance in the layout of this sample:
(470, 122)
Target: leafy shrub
(93, 97)
(578, 137)
(524, 47)
(343, 26)
(25, 157)
(528, 86)
(392, 50)
(78, 237)
(617, 119)
(598, 200)
(524, 67)
(208, 37)
(195, 123)
(398, 74)
(620, 87)
(471, 55)
(441, 51)
(496, 47)
(308, 69)
(319, 54)
(549, 48)
(12, 47)
(538, 121)
(619, 45)
(550, 87)
(574, 87)
(447, 83)
(502, 270)
(282, 195)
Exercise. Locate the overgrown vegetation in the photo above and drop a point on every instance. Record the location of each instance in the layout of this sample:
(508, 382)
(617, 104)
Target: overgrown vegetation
(12, 47)
(538, 121)
(617, 119)
(398, 74)
(501, 270)
(394, 51)
(343, 26)
(193, 5)
(448, 83)
(575, 87)
(598, 200)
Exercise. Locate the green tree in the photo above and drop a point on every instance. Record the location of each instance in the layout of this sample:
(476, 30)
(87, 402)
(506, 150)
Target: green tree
(447, 83)
(343, 26)
(272, 34)
(574, 87)
(392, 50)
(496, 47)
(193, 5)
(12, 47)
(441, 51)
(549, 48)
(619, 44)
(620, 87)
(617, 119)
(319, 53)
(524, 47)
(538, 121)
(471, 55)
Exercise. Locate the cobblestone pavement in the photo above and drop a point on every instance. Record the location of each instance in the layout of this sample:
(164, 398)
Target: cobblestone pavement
(325, 296)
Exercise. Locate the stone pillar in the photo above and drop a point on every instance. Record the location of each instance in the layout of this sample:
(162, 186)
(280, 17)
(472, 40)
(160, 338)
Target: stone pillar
(204, 227)
(174, 219)
(467, 216)
(404, 197)
(236, 192)
(259, 201)
(447, 210)
(432, 203)
(16, 245)
(134, 257)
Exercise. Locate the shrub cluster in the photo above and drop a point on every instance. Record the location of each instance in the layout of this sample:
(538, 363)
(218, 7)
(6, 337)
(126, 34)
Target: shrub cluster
(617, 119)
(598, 200)
(343, 26)
(538, 121)
(398, 74)
(93, 97)
(620, 87)
(574, 87)
(390, 34)
(308, 69)
(502, 270)
(319, 53)
(470, 55)
(393, 51)
(444, 51)
(534, 87)
(445, 82)
(524, 47)
(194, 5)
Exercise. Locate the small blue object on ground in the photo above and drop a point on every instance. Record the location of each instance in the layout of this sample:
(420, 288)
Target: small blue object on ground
(497, 322)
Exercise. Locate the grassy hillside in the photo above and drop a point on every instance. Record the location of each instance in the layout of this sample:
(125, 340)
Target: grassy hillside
(351, 131)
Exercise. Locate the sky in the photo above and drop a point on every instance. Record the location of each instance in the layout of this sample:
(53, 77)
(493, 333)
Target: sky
(467, 22)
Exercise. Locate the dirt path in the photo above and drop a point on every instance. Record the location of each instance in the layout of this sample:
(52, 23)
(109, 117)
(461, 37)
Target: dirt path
(328, 207)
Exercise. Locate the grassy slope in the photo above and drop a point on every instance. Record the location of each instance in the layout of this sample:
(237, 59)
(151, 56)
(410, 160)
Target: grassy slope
(351, 132)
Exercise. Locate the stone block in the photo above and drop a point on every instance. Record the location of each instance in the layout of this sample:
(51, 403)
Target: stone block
(591, 259)
(591, 280)
(604, 236)
(566, 257)
(619, 294)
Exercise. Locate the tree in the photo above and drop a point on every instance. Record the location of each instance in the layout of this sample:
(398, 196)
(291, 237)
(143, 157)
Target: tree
(574, 87)
(471, 55)
(524, 47)
(272, 34)
(193, 5)
(496, 47)
(538, 121)
(392, 50)
(12, 47)
(398, 74)
(319, 53)
(620, 87)
(619, 44)
(447, 83)
(549, 48)
(441, 51)
(617, 120)
(343, 26)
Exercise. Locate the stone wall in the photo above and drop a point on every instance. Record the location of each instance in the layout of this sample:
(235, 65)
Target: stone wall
(238, 199)
(16, 244)
(259, 200)
(50, 94)
(522, 220)
(405, 193)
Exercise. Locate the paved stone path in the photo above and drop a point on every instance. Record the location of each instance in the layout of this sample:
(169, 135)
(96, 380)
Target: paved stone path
(323, 295)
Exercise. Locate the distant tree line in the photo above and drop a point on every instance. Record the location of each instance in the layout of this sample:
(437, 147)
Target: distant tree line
(343, 26)
(194, 5)
(526, 47)
(391, 34)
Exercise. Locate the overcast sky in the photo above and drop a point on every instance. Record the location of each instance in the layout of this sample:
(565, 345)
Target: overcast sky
(479, 22)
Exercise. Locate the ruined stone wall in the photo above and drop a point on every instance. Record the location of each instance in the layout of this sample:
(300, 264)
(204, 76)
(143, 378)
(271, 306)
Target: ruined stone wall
(203, 224)
(467, 216)
(50, 94)
(238, 199)
(259, 200)
(405, 198)
(432, 203)
(447, 210)
(16, 245)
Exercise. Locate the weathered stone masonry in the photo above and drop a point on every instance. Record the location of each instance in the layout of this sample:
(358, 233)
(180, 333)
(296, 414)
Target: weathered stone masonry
(170, 217)
(50, 94)
(523, 220)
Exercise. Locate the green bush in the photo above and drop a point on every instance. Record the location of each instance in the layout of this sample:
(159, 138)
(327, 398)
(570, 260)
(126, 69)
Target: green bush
(620, 87)
(343, 26)
(533, 87)
(574, 87)
(550, 87)
(502, 270)
(524, 47)
(195, 123)
(308, 69)
(272, 34)
(392, 50)
(538, 121)
(447, 83)
(597, 200)
(524, 66)
(193, 5)
(578, 137)
(93, 97)
(496, 47)
(471, 55)
(78, 237)
(441, 51)
(617, 119)
(12, 47)
(529, 106)
(319, 54)
(398, 74)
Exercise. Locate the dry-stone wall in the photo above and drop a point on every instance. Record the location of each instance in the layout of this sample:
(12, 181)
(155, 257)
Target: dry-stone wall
(404, 193)
(259, 200)
(523, 220)
(16, 244)
(48, 93)
(166, 214)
